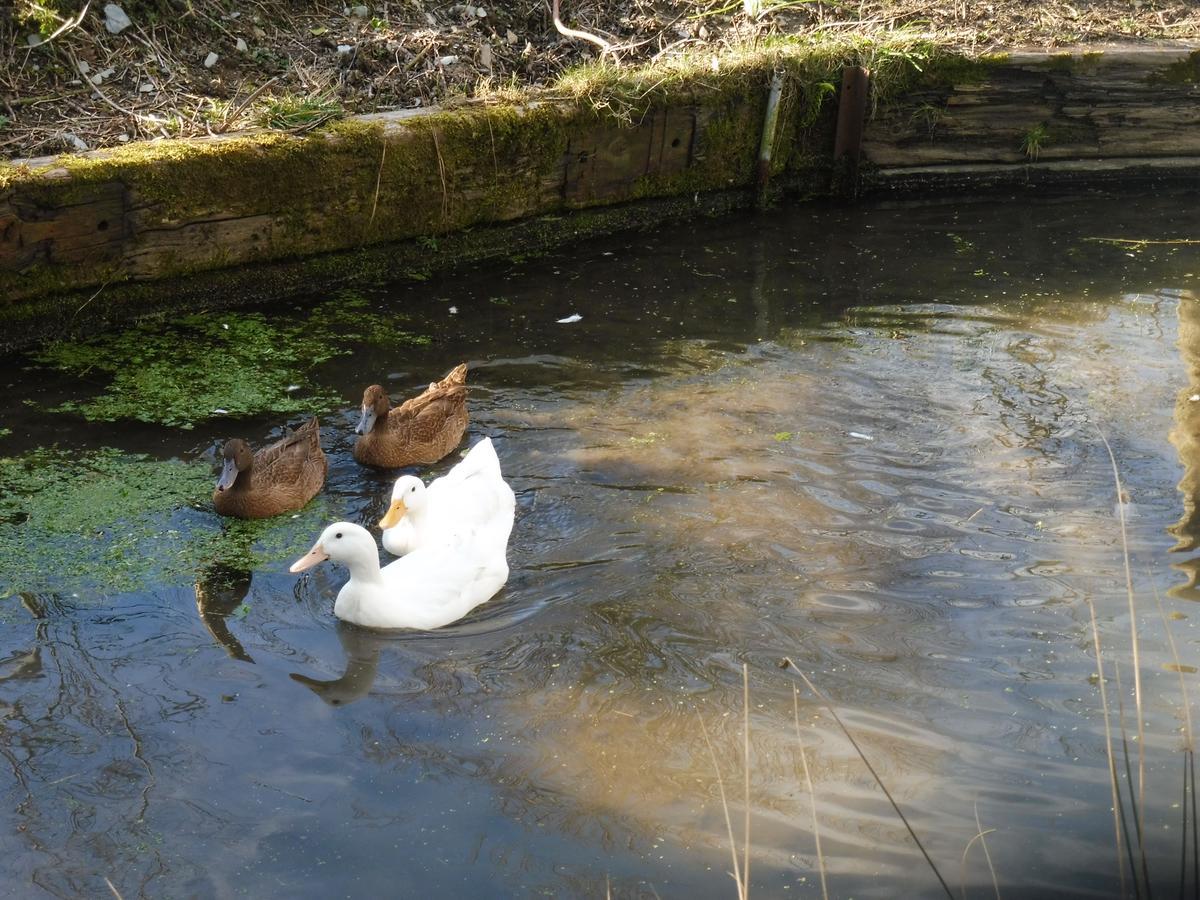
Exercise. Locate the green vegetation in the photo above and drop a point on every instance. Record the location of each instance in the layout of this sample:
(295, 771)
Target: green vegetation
(1034, 140)
(90, 519)
(1186, 71)
(112, 522)
(214, 364)
(293, 112)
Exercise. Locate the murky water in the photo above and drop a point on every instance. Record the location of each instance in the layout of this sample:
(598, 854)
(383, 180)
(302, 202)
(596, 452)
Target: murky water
(867, 440)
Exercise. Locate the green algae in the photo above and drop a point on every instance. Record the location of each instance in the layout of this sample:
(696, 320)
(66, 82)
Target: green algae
(105, 522)
(206, 365)
(76, 521)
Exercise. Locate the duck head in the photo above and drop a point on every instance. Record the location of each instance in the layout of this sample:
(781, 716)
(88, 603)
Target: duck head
(237, 458)
(407, 495)
(342, 542)
(375, 406)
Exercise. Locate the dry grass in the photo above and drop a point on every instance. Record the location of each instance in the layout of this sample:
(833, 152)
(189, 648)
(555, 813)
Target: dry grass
(155, 83)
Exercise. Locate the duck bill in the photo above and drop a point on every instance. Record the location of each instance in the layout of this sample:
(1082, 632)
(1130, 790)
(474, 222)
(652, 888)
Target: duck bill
(316, 555)
(366, 421)
(394, 514)
(229, 474)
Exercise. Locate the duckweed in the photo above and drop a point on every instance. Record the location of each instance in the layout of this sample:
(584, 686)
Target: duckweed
(216, 364)
(104, 522)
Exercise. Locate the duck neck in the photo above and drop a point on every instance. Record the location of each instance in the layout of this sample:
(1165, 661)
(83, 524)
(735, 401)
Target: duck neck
(365, 571)
(364, 589)
(417, 515)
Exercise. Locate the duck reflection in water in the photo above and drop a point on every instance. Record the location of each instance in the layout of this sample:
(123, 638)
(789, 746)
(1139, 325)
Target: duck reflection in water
(362, 648)
(220, 591)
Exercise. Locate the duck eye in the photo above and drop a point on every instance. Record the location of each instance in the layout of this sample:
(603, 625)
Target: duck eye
(413, 489)
(338, 535)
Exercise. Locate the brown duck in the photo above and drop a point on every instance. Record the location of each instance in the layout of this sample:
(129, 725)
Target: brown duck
(419, 431)
(274, 480)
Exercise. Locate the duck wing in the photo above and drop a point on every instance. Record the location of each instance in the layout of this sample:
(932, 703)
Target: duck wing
(295, 459)
(434, 586)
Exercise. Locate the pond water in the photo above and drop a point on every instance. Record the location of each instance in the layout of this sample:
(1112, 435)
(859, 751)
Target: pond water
(868, 440)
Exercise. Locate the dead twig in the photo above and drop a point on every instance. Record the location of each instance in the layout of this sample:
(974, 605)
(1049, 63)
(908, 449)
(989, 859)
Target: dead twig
(1133, 639)
(737, 872)
(232, 117)
(72, 22)
(442, 175)
(1114, 780)
(787, 662)
(812, 794)
(378, 181)
(605, 46)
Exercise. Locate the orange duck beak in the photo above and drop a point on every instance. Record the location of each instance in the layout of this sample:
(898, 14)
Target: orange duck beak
(394, 514)
(314, 556)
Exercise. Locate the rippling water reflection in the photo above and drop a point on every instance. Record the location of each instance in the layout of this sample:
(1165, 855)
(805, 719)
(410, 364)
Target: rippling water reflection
(867, 440)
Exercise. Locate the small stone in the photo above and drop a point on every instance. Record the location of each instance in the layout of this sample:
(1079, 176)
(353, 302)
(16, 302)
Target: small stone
(210, 60)
(115, 19)
(481, 12)
(359, 12)
(84, 67)
(448, 60)
(343, 49)
(33, 40)
(123, 138)
(510, 36)
(485, 57)
(146, 87)
(98, 78)
(242, 45)
(75, 141)
(454, 310)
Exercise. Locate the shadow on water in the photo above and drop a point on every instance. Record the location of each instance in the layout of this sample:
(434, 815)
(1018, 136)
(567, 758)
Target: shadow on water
(860, 438)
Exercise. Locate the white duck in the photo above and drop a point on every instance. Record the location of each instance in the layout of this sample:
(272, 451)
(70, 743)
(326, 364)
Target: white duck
(472, 496)
(430, 587)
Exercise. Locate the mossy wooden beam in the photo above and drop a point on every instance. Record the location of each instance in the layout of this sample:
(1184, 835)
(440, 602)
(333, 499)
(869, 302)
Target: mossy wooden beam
(175, 208)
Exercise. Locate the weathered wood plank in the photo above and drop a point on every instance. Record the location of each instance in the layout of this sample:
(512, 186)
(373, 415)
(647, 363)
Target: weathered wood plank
(1130, 102)
(91, 229)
